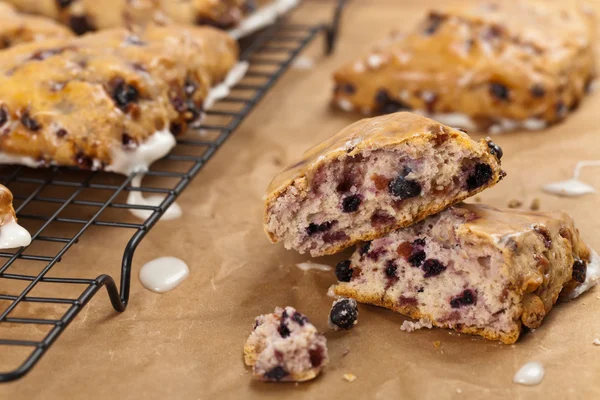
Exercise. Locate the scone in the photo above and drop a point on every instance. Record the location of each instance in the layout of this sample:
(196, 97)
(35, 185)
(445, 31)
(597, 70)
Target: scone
(375, 176)
(473, 268)
(285, 346)
(18, 28)
(107, 100)
(89, 15)
(491, 66)
(12, 235)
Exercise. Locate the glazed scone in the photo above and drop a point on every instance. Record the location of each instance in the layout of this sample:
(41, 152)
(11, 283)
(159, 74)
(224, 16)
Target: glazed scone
(285, 346)
(473, 268)
(375, 176)
(89, 15)
(107, 100)
(12, 235)
(18, 28)
(491, 66)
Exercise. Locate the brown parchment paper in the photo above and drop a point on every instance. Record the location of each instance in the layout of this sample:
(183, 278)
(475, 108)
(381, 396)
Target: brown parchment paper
(187, 344)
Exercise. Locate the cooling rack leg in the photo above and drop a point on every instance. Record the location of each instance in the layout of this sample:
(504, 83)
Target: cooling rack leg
(332, 31)
(113, 292)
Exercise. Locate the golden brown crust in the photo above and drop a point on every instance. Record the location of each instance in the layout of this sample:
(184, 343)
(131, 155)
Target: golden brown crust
(511, 60)
(384, 132)
(89, 15)
(6, 207)
(74, 102)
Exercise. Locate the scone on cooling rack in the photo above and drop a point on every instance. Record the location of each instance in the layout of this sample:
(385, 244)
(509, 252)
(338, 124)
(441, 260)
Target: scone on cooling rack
(12, 235)
(473, 268)
(285, 346)
(89, 15)
(375, 176)
(18, 28)
(491, 66)
(107, 100)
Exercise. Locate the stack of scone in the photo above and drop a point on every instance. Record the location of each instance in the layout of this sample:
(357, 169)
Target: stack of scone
(392, 185)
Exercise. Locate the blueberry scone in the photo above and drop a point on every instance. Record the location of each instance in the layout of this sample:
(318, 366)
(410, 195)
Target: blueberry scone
(285, 346)
(12, 235)
(89, 15)
(473, 268)
(18, 28)
(108, 100)
(491, 66)
(375, 176)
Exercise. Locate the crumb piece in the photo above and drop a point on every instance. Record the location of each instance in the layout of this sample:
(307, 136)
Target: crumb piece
(477, 199)
(437, 344)
(410, 326)
(345, 353)
(331, 293)
(349, 377)
(515, 203)
(535, 204)
(532, 330)
(596, 342)
(458, 390)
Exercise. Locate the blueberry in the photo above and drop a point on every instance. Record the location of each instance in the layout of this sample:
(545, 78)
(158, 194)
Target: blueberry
(538, 90)
(495, 150)
(391, 269)
(347, 88)
(499, 91)
(404, 188)
(417, 258)
(124, 94)
(283, 330)
(63, 3)
(350, 204)
(344, 313)
(482, 173)
(317, 228)
(343, 271)
(3, 116)
(433, 23)
(579, 271)
(276, 374)
(466, 298)
(61, 132)
(83, 161)
(127, 140)
(387, 105)
(80, 24)
(30, 123)
(364, 249)
(299, 318)
(432, 267)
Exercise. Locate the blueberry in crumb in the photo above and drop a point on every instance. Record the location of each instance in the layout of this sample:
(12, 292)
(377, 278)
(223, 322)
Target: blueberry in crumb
(364, 248)
(124, 94)
(391, 269)
(482, 173)
(343, 271)
(30, 123)
(283, 330)
(299, 318)
(3, 116)
(317, 228)
(433, 23)
(403, 188)
(80, 24)
(350, 204)
(417, 258)
(432, 267)
(387, 105)
(579, 271)
(61, 132)
(466, 298)
(343, 314)
(276, 374)
(538, 90)
(499, 91)
(127, 140)
(495, 150)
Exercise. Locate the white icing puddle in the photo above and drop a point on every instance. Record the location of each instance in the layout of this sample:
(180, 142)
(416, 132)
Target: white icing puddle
(304, 63)
(136, 198)
(163, 274)
(264, 16)
(307, 266)
(592, 276)
(530, 374)
(572, 187)
(13, 235)
(222, 89)
(125, 162)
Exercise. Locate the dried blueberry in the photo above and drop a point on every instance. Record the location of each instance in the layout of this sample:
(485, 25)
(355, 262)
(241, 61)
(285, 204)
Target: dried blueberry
(403, 188)
(466, 298)
(545, 233)
(432, 267)
(538, 90)
(579, 271)
(80, 24)
(433, 23)
(343, 271)
(83, 161)
(124, 94)
(495, 150)
(3, 116)
(343, 314)
(391, 269)
(299, 318)
(317, 228)
(276, 374)
(482, 173)
(30, 123)
(499, 91)
(127, 140)
(350, 204)
(364, 249)
(61, 132)
(387, 105)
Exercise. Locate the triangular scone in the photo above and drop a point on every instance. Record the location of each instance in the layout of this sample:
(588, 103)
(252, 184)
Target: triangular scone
(88, 15)
(473, 268)
(12, 235)
(375, 176)
(107, 100)
(491, 66)
(18, 28)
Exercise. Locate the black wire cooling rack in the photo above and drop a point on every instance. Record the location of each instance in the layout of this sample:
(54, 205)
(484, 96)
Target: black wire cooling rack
(51, 200)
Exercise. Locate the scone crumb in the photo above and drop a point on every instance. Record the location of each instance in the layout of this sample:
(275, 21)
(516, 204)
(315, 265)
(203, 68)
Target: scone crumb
(349, 377)
(535, 204)
(458, 390)
(477, 199)
(345, 353)
(596, 342)
(437, 344)
(514, 203)
(410, 326)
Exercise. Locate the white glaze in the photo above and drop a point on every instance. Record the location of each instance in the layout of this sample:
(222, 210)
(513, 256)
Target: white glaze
(20, 160)
(530, 374)
(374, 61)
(592, 276)
(303, 62)
(222, 90)
(163, 274)
(264, 16)
(136, 198)
(307, 266)
(155, 147)
(345, 105)
(13, 235)
(596, 342)
(573, 187)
